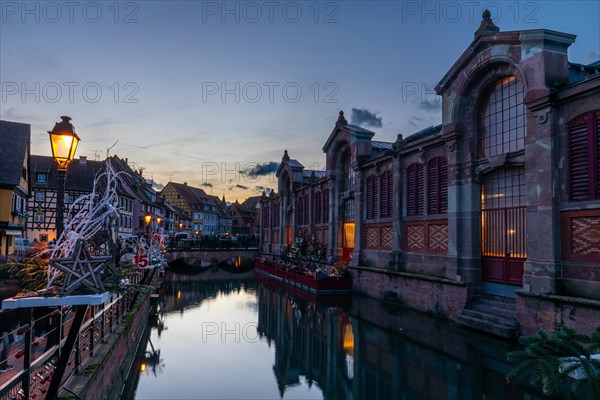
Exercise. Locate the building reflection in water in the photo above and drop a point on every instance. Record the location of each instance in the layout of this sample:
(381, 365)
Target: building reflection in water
(372, 351)
(342, 347)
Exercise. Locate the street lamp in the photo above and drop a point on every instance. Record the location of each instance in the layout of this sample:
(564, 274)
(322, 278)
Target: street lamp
(158, 221)
(63, 141)
(148, 219)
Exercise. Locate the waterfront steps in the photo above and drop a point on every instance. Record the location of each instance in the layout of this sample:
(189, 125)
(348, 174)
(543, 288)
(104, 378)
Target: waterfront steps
(491, 314)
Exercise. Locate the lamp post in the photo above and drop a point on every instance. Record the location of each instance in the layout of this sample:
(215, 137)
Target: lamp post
(63, 141)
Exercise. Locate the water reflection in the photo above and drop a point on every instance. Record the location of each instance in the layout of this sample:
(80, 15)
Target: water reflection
(236, 337)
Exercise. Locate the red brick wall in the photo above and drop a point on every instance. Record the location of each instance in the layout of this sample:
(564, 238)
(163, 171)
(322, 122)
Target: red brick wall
(551, 313)
(431, 295)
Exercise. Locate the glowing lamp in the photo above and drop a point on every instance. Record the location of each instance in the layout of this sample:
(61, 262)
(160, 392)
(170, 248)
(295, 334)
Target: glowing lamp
(148, 218)
(64, 141)
(158, 219)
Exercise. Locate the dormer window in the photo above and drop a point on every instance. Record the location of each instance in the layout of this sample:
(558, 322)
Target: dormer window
(41, 177)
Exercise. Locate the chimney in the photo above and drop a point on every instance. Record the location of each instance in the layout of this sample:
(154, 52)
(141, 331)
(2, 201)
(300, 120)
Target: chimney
(82, 160)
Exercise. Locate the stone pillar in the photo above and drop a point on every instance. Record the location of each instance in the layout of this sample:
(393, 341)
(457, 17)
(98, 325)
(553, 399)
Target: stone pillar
(359, 183)
(397, 225)
(542, 268)
(332, 243)
(464, 212)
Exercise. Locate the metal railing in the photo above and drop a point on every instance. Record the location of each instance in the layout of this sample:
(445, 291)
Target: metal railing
(34, 370)
(208, 244)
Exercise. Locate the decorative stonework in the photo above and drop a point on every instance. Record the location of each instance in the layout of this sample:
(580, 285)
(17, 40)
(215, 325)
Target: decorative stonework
(427, 237)
(542, 117)
(387, 237)
(379, 237)
(415, 237)
(580, 230)
(585, 236)
(438, 237)
(372, 237)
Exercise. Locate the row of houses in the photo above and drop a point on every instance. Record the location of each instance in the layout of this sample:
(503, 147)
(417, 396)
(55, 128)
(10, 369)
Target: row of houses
(29, 187)
(491, 218)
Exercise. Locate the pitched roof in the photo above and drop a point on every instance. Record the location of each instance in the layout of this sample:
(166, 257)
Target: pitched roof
(422, 134)
(143, 190)
(80, 174)
(14, 145)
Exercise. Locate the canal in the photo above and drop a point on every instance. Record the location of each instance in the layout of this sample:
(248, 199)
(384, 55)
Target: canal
(236, 336)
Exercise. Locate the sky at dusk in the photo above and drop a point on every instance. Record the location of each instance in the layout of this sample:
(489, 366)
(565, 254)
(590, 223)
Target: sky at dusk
(198, 91)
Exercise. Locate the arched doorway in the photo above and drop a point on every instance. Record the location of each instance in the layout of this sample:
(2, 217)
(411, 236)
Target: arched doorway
(348, 230)
(503, 194)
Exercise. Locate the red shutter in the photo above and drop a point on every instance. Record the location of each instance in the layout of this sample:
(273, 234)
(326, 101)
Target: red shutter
(383, 189)
(306, 210)
(410, 190)
(386, 195)
(420, 189)
(371, 189)
(579, 160)
(326, 206)
(443, 168)
(317, 213)
(437, 186)
(597, 117)
(415, 189)
(390, 194)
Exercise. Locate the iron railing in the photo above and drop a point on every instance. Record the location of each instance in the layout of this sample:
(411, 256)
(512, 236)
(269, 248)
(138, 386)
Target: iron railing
(34, 369)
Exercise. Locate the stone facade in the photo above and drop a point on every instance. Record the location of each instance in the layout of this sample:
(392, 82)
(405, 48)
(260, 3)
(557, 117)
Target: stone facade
(501, 199)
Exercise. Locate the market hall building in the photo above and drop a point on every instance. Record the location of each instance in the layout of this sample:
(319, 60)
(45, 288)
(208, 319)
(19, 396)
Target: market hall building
(491, 218)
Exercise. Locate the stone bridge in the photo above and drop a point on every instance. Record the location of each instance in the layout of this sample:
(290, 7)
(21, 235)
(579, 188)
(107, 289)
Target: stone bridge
(213, 255)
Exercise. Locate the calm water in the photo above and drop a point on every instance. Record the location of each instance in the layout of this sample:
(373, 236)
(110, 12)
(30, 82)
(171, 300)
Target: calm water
(231, 336)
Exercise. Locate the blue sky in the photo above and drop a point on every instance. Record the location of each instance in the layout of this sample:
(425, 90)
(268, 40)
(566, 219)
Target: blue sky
(198, 90)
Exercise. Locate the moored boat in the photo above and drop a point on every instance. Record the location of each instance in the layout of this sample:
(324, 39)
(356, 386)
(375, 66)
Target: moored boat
(320, 280)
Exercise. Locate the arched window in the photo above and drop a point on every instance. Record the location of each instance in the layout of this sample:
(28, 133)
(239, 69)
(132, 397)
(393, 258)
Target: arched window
(346, 172)
(371, 197)
(503, 119)
(386, 196)
(437, 186)
(584, 157)
(415, 189)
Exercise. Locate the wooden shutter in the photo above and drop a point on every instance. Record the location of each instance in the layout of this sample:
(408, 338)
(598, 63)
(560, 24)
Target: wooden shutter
(437, 186)
(386, 195)
(415, 189)
(326, 206)
(317, 208)
(584, 157)
(371, 198)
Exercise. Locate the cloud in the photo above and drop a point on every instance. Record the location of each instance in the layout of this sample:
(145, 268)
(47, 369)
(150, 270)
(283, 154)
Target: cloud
(415, 121)
(430, 105)
(238, 186)
(365, 117)
(260, 169)
(206, 184)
